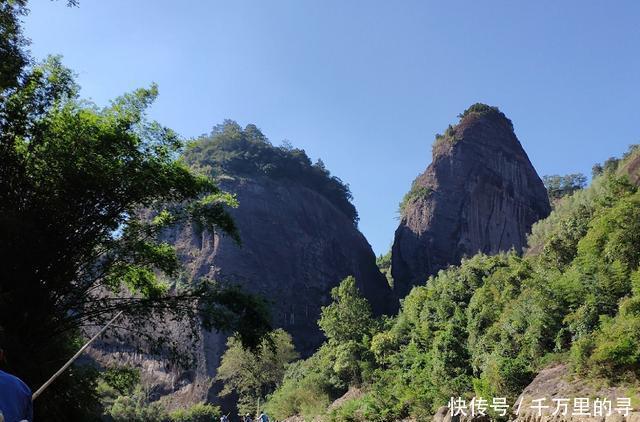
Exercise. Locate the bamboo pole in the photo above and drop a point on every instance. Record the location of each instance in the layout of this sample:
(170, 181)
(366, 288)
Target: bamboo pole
(78, 353)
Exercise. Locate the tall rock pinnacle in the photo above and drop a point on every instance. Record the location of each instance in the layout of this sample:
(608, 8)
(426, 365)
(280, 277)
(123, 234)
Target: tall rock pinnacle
(479, 194)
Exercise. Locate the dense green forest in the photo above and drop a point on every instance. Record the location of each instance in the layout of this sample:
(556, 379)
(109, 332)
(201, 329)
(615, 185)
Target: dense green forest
(489, 325)
(232, 151)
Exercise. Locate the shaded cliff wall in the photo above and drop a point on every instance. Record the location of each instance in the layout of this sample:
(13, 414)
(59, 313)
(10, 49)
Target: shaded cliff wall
(296, 246)
(299, 240)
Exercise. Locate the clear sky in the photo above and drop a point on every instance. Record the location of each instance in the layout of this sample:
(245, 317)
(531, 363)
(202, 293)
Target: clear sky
(365, 85)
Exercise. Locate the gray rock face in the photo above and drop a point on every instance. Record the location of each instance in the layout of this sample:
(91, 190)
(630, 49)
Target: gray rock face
(296, 246)
(556, 381)
(479, 194)
(299, 241)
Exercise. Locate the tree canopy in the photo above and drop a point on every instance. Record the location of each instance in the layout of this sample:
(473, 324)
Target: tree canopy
(560, 186)
(84, 194)
(233, 151)
(252, 375)
(13, 58)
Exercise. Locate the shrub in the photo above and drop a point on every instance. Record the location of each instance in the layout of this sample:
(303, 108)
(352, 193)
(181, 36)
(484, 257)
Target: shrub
(617, 344)
(350, 411)
(416, 193)
(480, 108)
(136, 408)
(307, 398)
(123, 379)
(506, 376)
(201, 412)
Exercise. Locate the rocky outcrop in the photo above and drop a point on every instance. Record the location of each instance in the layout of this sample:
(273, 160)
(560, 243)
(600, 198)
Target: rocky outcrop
(556, 382)
(630, 165)
(296, 246)
(299, 239)
(551, 397)
(479, 194)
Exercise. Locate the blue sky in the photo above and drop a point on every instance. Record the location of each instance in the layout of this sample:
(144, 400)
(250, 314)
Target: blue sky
(365, 85)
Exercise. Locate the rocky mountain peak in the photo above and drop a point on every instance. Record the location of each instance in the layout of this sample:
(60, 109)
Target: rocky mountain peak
(479, 194)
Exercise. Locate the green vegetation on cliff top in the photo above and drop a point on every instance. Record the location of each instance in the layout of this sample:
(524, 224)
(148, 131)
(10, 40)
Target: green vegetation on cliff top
(477, 109)
(232, 151)
(483, 110)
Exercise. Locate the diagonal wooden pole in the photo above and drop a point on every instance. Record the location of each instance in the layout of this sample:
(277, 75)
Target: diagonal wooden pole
(78, 353)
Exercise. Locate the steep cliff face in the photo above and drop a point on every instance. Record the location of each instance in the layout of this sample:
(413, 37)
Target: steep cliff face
(299, 237)
(296, 246)
(479, 194)
(297, 225)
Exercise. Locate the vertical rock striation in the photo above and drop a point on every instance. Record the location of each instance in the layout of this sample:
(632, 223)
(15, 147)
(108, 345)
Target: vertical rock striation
(479, 194)
(296, 246)
(298, 230)
(299, 237)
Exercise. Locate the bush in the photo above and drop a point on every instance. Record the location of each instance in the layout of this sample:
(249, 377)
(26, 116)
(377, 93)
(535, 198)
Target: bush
(307, 398)
(197, 413)
(506, 376)
(416, 193)
(123, 378)
(350, 411)
(615, 346)
(136, 408)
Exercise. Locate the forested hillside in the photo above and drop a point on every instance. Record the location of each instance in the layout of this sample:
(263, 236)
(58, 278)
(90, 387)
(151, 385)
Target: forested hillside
(488, 326)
